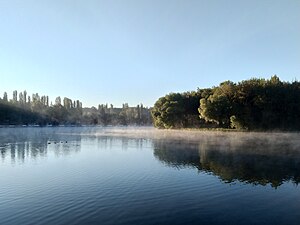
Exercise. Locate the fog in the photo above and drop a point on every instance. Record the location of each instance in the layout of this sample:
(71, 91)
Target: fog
(252, 157)
(220, 139)
(223, 139)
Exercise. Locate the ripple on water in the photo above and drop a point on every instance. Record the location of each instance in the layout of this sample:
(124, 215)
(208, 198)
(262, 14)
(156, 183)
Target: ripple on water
(127, 180)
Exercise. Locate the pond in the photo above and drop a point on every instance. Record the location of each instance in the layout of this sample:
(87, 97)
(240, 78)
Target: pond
(95, 175)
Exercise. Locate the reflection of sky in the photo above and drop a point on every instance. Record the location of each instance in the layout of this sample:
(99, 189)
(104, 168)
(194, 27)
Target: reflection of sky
(247, 158)
(115, 179)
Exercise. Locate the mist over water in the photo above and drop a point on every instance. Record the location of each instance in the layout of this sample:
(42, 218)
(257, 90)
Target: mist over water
(134, 175)
(197, 135)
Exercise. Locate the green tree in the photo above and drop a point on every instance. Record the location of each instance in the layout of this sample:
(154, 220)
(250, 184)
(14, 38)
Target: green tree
(168, 111)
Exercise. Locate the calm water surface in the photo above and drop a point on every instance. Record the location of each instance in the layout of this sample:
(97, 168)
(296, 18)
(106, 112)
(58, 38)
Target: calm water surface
(142, 176)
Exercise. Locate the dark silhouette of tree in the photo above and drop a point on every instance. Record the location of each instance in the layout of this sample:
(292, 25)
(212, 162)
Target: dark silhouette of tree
(15, 96)
(25, 96)
(5, 99)
(37, 109)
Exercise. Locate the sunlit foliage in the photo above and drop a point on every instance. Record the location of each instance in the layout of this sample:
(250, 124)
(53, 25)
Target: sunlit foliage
(255, 104)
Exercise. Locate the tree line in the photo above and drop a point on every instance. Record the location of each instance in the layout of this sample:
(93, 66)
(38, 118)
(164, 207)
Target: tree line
(24, 109)
(254, 104)
(110, 115)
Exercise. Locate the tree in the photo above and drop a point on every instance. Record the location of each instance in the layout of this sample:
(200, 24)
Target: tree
(15, 96)
(21, 98)
(25, 96)
(5, 99)
(58, 101)
(71, 112)
(218, 106)
(78, 104)
(168, 111)
(67, 103)
(103, 116)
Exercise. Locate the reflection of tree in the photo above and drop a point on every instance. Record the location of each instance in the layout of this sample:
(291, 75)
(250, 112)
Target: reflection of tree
(256, 163)
(20, 144)
(32, 150)
(177, 154)
(31, 143)
(109, 142)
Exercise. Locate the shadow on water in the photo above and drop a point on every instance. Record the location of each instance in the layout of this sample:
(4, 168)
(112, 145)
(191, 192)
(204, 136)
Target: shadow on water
(259, 162)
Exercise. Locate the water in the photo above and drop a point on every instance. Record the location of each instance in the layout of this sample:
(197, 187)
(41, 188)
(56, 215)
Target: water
(144, 176)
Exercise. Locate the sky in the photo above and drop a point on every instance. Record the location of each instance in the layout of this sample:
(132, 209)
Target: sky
(135, 51)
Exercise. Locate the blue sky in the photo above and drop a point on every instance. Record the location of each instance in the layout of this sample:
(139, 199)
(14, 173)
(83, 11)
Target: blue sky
(136, 51)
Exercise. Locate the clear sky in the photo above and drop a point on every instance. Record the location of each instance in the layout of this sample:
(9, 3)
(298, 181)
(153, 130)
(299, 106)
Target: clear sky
(136, 51)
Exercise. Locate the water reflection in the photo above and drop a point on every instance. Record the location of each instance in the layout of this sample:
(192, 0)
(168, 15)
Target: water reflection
(271, 159)
(110, 142)
(21, 144)
(259, 162)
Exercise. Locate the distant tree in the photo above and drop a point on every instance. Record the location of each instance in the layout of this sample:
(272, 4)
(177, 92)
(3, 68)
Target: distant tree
(5, 99)
(71, 112)
(47, 101)
(38, 103)
(36, 98)
(21, 98)
(58, 114)
(15, 96)
(78, 104)
(67, 103)
(58, 101)
(25, 96)
(103, 116)
(139, 113)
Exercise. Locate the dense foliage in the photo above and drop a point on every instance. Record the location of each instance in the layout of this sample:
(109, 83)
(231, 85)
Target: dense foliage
(126, 115)
(177, 110)
(11, 115)
(255, 104)
(36, 110)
